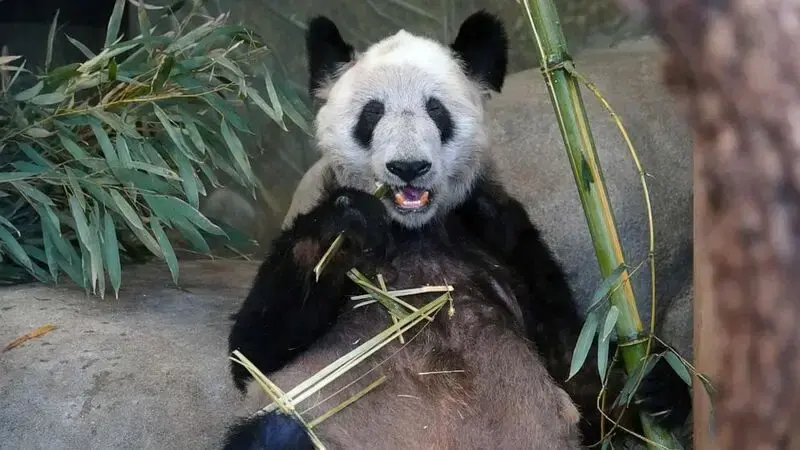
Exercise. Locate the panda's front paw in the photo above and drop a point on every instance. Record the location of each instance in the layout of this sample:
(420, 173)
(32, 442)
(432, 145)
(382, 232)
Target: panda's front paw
(664, 396)
(360, 216)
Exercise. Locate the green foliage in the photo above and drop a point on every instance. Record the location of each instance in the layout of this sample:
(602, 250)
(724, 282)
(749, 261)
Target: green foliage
(102, 161)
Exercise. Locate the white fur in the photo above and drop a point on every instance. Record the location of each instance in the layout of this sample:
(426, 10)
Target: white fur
(403, 71)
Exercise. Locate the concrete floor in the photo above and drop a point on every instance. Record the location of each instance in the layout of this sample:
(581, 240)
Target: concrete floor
(146, 371)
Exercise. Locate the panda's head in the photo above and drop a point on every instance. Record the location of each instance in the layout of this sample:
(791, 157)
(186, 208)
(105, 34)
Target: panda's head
(408, 112)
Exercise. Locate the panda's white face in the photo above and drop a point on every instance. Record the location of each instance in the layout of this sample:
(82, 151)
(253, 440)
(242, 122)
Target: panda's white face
(405, 114)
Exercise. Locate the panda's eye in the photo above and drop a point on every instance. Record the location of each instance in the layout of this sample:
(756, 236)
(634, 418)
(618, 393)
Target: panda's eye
(441, 117)
(370, 115)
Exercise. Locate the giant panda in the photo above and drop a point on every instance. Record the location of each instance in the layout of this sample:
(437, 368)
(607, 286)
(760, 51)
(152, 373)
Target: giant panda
(408, 112)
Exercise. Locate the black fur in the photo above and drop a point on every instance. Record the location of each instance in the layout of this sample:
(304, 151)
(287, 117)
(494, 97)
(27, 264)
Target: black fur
(370, 115)
(326, 50)
(441, 117)
(482, 44)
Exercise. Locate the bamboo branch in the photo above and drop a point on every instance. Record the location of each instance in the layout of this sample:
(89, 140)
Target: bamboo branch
(564, 90)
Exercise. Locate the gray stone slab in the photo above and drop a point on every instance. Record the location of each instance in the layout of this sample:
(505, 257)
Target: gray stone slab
(149, 370)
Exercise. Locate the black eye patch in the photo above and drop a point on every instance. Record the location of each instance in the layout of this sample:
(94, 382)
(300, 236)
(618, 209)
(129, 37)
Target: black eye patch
(370, 115)
(441, 117)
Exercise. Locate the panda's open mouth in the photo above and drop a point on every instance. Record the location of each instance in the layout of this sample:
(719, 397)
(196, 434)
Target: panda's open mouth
(410, 198)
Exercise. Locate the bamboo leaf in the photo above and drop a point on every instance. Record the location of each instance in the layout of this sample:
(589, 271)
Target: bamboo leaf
(172, 131)
(97, 251)
(29, 93)
(632, 383)
(8, 224)
(60, 75)
(16, 251)
(678, 366)
(605, 287)
(611, 320)
(194, 134)
(602, 357)
(8, 177)
(123, 152)
(108, 53)
(48, 99)
(155, 170)
(114, 122)
(51, 36)
(273, 97)
(166, 206)
(31, 192)
(127, 210)
(4, 60)
(105, 143)
(187, 175)
(192, 37)
(144, 21)
(226, 111)
(35, 156)
(83, 49)
(73, 148)
(112, 31)
(112, 70)
(297, 117)
(584, 344)
(166, 248)
(85, 235)
(135, 223)
(16, 75)
(111, 253)
(50, 252)
(152, 155)
(38, 133)
(268, 110)
(191, 234)
(162, 75)
(236, 149)
(222, 33)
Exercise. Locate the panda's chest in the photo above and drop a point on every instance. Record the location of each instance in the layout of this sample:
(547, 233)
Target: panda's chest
(424, 262)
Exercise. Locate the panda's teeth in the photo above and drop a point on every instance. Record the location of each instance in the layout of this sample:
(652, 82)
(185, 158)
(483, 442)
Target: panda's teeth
(402, 201)
(424, 197)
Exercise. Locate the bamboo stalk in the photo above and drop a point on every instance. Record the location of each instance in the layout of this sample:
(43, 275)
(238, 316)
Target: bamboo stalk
(564, 90)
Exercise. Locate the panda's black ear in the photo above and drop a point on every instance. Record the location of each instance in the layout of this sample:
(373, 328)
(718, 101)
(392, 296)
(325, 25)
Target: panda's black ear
(482, 44)
(326, 51)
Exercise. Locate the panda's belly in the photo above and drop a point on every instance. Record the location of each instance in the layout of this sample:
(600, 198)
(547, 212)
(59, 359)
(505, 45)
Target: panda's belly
(467, 381)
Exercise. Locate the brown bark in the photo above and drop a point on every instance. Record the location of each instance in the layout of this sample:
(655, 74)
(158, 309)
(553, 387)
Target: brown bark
(735, 66)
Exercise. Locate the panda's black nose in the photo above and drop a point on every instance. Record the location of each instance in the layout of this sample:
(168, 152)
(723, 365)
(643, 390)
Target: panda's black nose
(408, 170)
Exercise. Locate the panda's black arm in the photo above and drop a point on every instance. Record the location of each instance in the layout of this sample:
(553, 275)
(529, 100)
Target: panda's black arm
(552, 316)
(287, 309)
(502, 225)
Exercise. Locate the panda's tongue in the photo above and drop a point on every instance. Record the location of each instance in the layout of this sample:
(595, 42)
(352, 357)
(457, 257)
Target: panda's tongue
(411, 197)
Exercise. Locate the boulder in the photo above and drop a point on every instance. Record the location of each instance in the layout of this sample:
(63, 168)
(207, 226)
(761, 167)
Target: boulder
(148, 370)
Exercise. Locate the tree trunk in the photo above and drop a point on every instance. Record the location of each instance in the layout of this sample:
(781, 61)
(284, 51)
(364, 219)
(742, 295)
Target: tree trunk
(735, 66)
